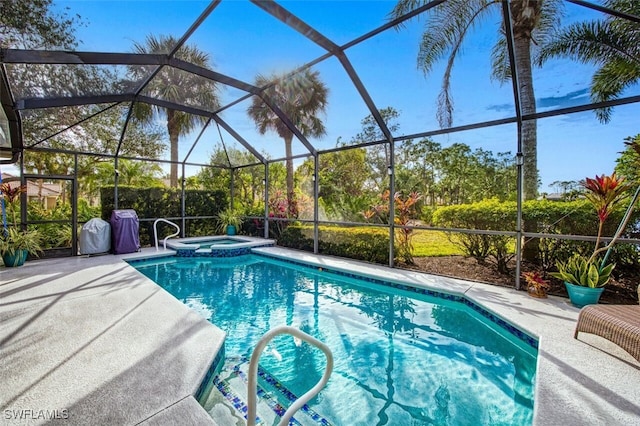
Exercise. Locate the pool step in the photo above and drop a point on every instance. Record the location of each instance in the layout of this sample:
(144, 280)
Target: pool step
(228, 404)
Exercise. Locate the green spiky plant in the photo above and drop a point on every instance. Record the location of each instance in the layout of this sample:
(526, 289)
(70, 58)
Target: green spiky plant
(12, 238)
(605, 193)
(229, 217)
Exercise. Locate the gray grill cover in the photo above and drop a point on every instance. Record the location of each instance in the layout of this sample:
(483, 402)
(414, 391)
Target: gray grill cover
(124, 230)
(95, 237)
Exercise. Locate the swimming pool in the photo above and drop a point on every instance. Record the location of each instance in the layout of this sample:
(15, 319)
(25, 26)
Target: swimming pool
(400, 357)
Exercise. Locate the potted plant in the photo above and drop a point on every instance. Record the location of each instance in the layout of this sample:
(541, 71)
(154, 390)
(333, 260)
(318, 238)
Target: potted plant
(229, 220)
(584, 277)
(16, 243)
(536, 285)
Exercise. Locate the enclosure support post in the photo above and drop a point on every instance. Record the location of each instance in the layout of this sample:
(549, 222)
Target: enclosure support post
(232, 187)
(74, 208)
(266, 200)
(23, 196)
(392, 208)
(183, 207)
(115, 183)
(315, 178)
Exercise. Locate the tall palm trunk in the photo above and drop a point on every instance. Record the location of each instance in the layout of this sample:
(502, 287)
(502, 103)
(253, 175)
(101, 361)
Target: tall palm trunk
(525, 15)
(173, 130)
(291, 198)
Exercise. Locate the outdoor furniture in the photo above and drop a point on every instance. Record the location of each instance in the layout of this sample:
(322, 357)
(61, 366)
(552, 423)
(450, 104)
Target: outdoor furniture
(619, 324)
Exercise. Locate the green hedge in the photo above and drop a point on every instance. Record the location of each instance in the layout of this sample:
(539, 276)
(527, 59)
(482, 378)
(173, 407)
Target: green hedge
(552, 217)
(153, 203)
(362, 243)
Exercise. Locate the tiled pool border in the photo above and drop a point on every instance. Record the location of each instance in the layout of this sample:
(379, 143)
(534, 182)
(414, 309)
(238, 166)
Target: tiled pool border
(190, 247)
(214, 368)
(267, 396)
(513, 330)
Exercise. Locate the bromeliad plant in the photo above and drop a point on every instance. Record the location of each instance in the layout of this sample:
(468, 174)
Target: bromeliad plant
(605, 193)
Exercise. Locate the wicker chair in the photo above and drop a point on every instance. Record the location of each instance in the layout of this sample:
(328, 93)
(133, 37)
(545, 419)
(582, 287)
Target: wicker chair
(619, 324)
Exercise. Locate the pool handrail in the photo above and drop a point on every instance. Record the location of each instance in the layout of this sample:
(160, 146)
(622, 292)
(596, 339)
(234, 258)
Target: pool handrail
(253, 373)
(155, 232)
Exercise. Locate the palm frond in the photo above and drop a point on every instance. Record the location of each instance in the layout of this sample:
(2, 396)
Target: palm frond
(500, 65)
(610, 81)
(301, 97)
(587, 42)
(445, 32)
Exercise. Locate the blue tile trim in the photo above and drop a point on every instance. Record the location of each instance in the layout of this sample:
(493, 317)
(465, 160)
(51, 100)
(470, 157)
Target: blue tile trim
(272, 402)
(525, 337)
(214, 369)
(233, 398)
(219, 252)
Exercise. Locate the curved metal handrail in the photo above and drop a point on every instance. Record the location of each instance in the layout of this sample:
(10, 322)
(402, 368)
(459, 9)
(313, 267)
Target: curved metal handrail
(155, 232)
(253, 373)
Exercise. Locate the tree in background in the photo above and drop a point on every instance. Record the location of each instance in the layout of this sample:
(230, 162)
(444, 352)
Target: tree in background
(455, 174)
(628, 164)
(302, 97)
(142, 174)
(449, 24)
(612, 44)
(175, 86)
(343, 177)
(248, 181)
(99, 134)
(447, 27)
(378, 156)
(31, 24)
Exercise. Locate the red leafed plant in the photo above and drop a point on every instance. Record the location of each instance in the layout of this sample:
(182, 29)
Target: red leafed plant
(536, 285)
(604, 192)
(405, 211)
(11, 195)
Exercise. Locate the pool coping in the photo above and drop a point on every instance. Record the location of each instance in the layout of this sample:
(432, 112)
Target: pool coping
(189, 247)
(580, 381)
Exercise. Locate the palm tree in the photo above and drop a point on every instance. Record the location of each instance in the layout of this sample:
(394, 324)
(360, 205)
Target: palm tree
(302, 97)
(446, 29)
(176, 86)
(613, 44)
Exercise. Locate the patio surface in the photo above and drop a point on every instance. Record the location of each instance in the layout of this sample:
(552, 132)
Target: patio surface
(92, 341)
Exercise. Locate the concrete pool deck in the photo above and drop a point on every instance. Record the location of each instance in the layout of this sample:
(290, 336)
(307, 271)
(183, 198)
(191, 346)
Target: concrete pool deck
(92, 341)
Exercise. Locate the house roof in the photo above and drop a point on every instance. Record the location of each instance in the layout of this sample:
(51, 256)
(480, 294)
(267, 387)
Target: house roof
(33, 188)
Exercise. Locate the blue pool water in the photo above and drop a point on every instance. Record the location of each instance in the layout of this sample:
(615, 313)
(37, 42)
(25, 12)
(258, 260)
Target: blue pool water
(219, 241)
(401, 358)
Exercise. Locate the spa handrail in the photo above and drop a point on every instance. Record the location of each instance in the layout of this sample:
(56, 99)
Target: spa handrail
(155, 232)
(253, 373)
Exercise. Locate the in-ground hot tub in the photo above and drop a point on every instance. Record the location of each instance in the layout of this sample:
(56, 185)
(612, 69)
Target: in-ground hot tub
(217, 246)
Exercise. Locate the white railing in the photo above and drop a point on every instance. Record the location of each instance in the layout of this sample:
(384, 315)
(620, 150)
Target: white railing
(253, 373)
(155, 232)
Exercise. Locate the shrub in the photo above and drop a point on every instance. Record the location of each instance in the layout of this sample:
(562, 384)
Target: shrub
(485, 215)
(553, 217)
(154, 203)
(362, 243)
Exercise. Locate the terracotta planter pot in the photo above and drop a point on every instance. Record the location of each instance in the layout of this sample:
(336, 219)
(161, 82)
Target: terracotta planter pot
(536, 292)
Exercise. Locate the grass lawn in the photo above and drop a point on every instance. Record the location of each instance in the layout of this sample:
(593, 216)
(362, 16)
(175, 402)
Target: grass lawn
(433, 243)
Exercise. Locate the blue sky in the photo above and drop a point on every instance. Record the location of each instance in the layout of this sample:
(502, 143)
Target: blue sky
(243, 40)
